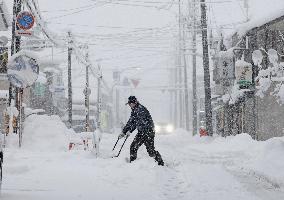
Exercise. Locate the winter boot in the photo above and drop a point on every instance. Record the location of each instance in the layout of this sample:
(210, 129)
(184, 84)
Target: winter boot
(159, 159)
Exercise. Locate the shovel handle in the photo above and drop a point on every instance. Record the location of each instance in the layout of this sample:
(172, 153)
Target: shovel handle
(122, 146)
(116, 143)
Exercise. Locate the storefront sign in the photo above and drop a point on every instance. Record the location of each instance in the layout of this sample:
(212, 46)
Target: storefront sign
(243, 72)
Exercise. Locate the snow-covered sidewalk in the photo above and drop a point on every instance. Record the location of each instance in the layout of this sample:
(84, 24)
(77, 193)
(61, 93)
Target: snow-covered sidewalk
(198, 168)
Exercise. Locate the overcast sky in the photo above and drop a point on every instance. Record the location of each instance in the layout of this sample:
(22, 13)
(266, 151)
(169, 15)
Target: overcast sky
(125, 34)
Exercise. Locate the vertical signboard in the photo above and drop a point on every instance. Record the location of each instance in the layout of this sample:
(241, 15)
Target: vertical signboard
(243, 71)
(3, 59)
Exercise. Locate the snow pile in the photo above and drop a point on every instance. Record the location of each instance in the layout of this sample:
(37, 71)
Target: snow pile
(272, 75)
(235, 167)
(269, 160)
(240, 142)
(235, 143)
(263, 158)
(263, 86)
(4, 94)
(30, 111)
(235, 94)
(45, 133)
(281, 93)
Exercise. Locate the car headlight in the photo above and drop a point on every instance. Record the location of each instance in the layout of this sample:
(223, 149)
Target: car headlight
(157, 129)
(170, 128)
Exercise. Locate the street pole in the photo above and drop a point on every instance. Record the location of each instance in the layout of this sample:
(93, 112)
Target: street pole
(171, 93)
(117, 107)
(117, 96)
(15, 48)
(180, 72)
(69, 80)
(186, 97)
(175, 97)
(208, 106)
(194, 50)
(87, 97)
(16, 40)
(113, 110)
(99, 99)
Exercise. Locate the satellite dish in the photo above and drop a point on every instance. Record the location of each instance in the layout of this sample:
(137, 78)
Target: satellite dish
(257, 57)
(3, 40)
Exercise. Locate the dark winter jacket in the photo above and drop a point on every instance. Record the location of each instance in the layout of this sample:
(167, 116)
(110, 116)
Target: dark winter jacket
(141, 119)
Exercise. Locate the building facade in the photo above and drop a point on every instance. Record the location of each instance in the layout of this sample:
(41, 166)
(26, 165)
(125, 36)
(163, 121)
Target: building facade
(251, 97)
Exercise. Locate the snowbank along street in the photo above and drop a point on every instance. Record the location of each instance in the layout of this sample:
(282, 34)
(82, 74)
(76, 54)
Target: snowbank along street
(235, 167)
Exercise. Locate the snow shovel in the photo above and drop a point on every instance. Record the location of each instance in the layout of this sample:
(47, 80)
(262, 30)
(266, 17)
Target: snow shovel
(115, 143)
(120, 147)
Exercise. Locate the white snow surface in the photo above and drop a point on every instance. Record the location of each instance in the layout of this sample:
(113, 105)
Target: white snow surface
(231, 168)
(262, 12)
(4, 94)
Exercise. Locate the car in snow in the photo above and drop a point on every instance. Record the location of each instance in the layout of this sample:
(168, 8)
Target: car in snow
(164, 128)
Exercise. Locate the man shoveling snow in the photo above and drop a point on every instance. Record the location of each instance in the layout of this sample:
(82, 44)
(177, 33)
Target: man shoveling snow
(141, 120)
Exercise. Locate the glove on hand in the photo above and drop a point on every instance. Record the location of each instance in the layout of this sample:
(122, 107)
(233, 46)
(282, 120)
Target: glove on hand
(122, 135)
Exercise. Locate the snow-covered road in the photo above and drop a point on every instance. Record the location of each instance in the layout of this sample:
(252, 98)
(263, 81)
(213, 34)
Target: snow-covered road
(198, 168)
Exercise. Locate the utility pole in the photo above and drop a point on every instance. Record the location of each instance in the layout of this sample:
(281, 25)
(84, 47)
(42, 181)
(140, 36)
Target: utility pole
(179, 71)
(99, 99)
(208, 106)
(186, 98)
(175, 97)
(172, 93)
(117, 96)
(194, 50)
(69, 80)
(15, 44)
(16, 40)
(87, 92)
(15, 48)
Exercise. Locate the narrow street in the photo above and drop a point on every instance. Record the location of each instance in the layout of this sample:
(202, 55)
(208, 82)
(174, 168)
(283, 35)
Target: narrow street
(198, 83)
(197, 168)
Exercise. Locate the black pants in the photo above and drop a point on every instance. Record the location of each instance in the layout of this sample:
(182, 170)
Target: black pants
(148, 141)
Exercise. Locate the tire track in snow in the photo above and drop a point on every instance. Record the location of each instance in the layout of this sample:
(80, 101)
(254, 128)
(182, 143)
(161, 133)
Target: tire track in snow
(172, 184)
(256, 183)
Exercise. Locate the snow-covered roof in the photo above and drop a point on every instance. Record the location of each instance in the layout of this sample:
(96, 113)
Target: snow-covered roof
(51, 69)
(261, 12)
